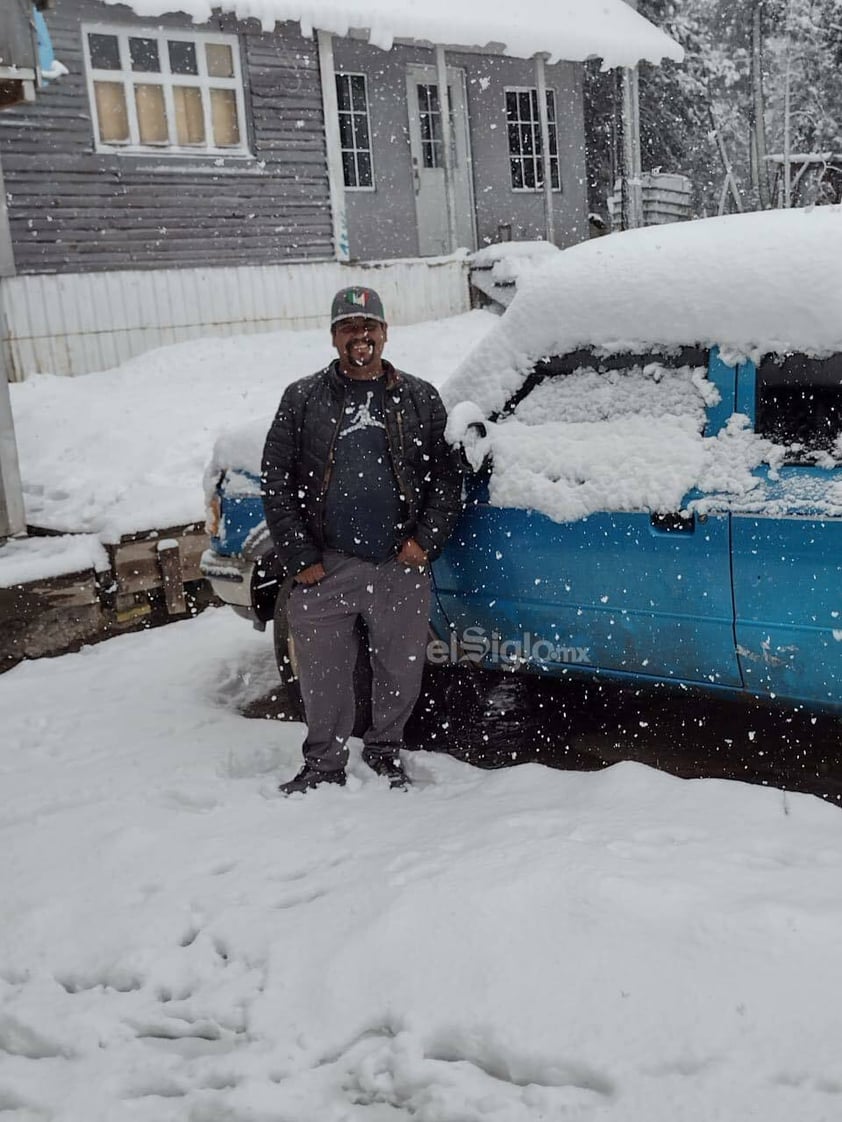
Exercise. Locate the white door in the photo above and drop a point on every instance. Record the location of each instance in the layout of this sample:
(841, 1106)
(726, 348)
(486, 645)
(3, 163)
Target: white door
(425, 137)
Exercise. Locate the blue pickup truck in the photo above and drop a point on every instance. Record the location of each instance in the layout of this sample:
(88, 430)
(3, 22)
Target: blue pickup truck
(654, 432)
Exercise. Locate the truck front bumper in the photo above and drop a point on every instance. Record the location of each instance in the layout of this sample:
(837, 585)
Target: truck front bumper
(230, 578)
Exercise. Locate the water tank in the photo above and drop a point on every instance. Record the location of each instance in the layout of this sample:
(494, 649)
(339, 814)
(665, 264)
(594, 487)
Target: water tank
(666, 198)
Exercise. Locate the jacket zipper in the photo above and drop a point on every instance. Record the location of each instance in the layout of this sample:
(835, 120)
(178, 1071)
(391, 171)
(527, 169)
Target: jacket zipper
(401, 482)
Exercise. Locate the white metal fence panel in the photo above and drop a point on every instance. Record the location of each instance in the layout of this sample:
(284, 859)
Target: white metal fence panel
(78, 323)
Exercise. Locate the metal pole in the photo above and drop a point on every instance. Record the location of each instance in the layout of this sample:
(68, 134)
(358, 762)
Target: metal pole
(761, 170)
(447, 145)
(631, 146)
(787, 200)
(335, 173)
(544, 118)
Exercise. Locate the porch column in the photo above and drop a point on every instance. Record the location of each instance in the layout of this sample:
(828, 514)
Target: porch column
(632, 192)
(12, 516)
(7, 256)
(336, 176)
(544, 118)
(447, 145)
(632, 186)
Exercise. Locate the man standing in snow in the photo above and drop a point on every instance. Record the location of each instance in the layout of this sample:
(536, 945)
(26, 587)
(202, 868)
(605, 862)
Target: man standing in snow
(361, 492)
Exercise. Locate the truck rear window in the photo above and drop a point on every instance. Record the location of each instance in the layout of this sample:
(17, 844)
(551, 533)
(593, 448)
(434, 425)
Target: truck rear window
(584, 386)
(798, 403)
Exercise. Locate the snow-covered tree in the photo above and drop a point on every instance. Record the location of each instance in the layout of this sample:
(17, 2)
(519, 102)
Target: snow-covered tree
(742, 56)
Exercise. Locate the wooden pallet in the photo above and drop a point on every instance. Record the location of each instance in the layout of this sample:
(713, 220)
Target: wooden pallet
(61, 614)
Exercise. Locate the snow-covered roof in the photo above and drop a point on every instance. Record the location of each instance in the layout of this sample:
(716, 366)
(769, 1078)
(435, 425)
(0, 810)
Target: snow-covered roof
(565, 29)
(750, 283)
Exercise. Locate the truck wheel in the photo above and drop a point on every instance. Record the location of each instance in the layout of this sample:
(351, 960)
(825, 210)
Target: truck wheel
(464, 700)
(288, 667)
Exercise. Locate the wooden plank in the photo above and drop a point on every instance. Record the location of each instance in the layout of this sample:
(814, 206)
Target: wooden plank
(191, 547)
(132, 169)
(141, 223)
(108, 262)
(296, 194)
(172, 576)
(276, 246)
(49, 617)
(137, 566)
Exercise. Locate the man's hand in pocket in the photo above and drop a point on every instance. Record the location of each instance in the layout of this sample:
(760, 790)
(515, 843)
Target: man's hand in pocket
(311, 575)
(412, 555)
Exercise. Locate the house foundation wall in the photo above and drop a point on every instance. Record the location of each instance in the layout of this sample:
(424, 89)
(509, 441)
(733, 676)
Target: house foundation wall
(78, 323)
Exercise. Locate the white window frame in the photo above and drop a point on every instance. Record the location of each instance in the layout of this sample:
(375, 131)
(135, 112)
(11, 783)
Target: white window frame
(553, 125)
(357, 74)
(436, 141)
(129, 78)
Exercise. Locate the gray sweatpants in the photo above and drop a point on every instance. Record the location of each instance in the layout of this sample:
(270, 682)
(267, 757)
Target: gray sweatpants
(394, 602)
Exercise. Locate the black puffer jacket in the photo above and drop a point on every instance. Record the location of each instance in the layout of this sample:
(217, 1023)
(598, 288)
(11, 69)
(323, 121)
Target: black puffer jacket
(298, 456)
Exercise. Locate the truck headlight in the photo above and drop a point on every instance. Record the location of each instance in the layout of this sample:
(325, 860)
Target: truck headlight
(213, 516)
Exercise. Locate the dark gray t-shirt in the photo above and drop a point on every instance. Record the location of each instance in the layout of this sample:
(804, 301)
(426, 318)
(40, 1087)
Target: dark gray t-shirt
(364, 510)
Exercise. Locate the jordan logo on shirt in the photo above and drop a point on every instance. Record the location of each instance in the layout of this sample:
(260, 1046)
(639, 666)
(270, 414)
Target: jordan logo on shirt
(362, 418)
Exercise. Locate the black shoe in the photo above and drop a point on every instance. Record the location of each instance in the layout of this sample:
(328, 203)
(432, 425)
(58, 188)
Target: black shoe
(309, 778)
(388, 765)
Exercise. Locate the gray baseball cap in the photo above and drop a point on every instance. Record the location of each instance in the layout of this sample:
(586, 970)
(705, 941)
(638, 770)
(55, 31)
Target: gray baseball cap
(349, 303)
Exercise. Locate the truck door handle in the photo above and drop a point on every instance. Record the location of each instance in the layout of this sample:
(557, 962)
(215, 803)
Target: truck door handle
(672, 523)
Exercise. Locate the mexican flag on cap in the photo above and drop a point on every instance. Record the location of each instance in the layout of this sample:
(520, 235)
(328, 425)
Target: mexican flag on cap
(356, 301)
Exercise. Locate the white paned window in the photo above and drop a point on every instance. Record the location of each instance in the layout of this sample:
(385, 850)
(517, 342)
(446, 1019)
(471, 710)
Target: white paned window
(429, 121)
(526, 158)
(355, 131)
(176, 91)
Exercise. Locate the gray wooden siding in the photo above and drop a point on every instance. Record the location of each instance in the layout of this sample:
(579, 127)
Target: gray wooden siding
(74, 210)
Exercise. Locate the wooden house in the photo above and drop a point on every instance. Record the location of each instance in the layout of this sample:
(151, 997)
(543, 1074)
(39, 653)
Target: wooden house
(187, 178)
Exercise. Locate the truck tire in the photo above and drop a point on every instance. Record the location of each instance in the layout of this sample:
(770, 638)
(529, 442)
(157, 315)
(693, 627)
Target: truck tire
(464, 700)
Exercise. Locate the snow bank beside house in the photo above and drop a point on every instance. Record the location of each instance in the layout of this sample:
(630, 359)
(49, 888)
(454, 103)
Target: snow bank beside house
(521, 945)
(124, 451)
(567, 29)
(750, 283)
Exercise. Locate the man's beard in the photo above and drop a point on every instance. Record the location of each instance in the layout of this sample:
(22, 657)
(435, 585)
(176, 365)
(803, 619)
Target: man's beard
(360, 356)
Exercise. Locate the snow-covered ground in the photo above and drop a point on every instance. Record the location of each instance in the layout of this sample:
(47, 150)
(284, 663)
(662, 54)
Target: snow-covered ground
(178, 944)
(123, 451)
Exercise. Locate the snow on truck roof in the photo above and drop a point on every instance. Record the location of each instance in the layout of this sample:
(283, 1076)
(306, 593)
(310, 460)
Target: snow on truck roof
(573, 30)
(751, 283)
